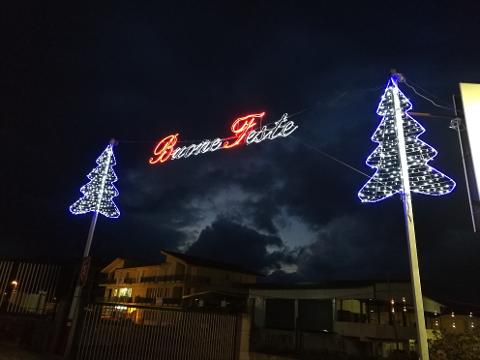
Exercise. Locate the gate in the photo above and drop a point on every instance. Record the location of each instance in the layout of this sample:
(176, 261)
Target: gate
(130, 332)
(28, 304)
(28, 288)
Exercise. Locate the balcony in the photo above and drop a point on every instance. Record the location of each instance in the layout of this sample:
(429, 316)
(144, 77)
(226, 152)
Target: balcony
(139, 300)
(374, 331)
(106, 280)
(190, 279)
(115, 299)
(176, 278)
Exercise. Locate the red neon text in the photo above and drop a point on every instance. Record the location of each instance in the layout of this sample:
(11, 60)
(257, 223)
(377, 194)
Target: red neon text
(164, 149)
(241, 127)
(244, 130)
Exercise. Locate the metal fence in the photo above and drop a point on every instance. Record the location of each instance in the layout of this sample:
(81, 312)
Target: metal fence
(28, 287)
(5, 271)
(128, 332)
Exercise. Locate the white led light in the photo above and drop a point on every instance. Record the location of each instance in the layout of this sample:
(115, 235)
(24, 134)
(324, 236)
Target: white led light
(99, 192)
(387, 179)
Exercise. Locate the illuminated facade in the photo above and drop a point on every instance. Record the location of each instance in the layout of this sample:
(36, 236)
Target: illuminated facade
(179, 277)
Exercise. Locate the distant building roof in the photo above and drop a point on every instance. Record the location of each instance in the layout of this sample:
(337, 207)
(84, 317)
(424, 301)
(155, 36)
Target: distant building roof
(323, 285)
(383, 290)
(193, 260)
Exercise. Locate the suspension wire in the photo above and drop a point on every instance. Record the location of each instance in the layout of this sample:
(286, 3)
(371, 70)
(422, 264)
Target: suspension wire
(306, 109)
(308, 145)
(341, 162)
(425, 97)
(424, 90)
(312, 147)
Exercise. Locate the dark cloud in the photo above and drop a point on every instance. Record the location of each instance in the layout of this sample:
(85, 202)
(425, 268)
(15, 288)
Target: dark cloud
(240, 245)
(345, 245)
(140, 72)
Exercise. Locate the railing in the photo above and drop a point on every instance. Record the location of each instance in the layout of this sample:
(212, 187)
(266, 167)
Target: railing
(374, 331)
(28, 287)
(158, 279)
(104, 280)
(176, 278)
(140, 300)
(130, 332)
(115, 299)
(171, 301)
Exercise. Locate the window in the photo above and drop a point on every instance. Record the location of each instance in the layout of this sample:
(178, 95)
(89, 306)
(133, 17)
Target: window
(125, 292)
(177, 292)
(315, 315)
(279, 314)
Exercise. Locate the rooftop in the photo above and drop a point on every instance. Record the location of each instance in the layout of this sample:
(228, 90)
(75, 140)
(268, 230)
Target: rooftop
(341, 284)
(192, 260)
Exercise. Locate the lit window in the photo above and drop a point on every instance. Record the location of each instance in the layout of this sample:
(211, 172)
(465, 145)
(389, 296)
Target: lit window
(127, 292)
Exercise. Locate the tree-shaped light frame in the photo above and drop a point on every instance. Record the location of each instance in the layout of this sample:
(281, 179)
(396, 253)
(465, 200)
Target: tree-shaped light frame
(98, 194)
(387, 179)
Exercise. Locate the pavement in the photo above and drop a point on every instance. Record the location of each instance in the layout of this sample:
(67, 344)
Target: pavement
(10, 351)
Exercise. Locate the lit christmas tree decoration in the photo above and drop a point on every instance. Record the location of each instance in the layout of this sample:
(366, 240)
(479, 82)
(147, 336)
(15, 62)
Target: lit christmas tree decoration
(387, 179)
(99, 192)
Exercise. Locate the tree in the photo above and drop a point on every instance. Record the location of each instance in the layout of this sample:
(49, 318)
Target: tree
(387, 179)
(454, 346)
(99, 192)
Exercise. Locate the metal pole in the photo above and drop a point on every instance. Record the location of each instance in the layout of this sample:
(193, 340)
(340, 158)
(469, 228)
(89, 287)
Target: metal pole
(457, 123)
(86, 251)
(412, 245)
(73, 313)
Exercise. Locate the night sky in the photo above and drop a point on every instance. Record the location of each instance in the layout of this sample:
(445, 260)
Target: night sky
(77, 76)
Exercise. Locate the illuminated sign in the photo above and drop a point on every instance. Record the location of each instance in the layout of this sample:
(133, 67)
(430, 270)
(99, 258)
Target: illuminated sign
(245, 130)
(470, 143)
(471, 107)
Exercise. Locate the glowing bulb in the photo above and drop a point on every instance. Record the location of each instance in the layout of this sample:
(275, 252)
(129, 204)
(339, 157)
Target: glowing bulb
(439, 184)
(98, 194)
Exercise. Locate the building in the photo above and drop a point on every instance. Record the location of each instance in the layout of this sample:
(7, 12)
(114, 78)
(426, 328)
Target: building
(179, 279)
(456, 322)
(358, 318)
